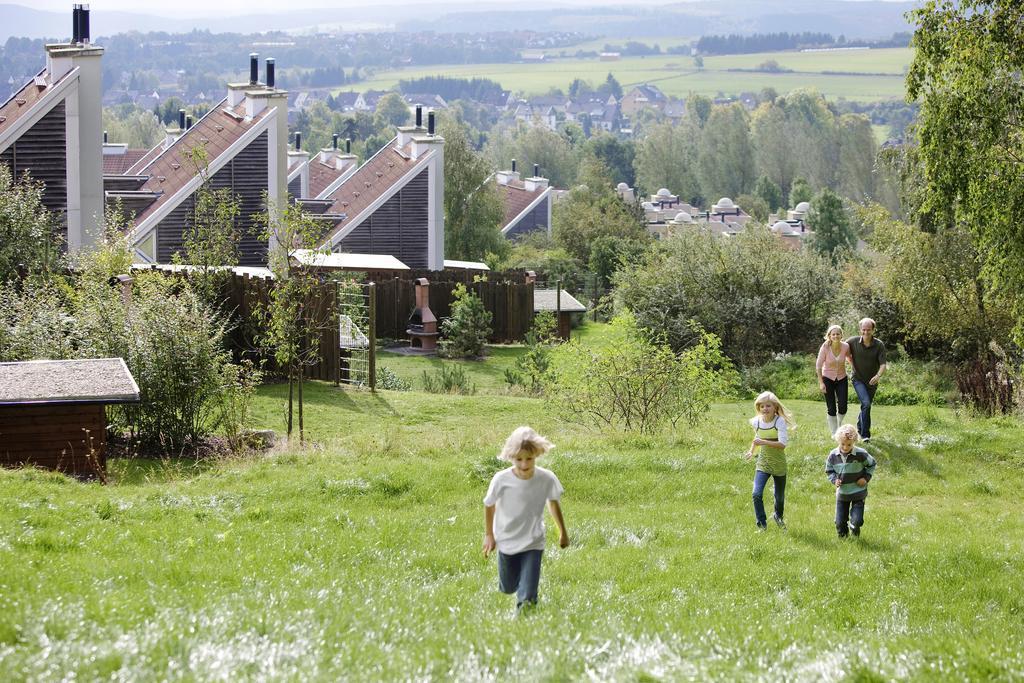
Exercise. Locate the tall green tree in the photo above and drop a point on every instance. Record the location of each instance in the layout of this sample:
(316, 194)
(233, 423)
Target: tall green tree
(725, 160)
(772, 152)
(769, 192)
(834, 237)
(392, 110)
(855, 177)
(665, 158)
(968, 58)
(473, 210)
(800, 192)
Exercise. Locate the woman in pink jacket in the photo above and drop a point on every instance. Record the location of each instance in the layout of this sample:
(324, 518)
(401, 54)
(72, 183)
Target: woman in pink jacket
(832, 380)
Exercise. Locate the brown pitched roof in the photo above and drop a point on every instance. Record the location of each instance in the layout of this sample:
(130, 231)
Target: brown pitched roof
(321, 175)
(117, 164)
(380, 173)
(21, 102)
(171, 171)
(517, 198)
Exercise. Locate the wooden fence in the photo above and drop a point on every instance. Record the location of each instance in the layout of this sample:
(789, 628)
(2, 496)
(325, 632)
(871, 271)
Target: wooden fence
(510, 305)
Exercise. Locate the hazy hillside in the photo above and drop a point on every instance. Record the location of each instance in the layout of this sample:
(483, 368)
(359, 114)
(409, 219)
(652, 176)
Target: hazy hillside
(869, 19)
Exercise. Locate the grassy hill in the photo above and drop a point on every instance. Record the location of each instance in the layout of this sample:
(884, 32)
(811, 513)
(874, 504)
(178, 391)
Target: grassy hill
(358, 557)
(863, 75)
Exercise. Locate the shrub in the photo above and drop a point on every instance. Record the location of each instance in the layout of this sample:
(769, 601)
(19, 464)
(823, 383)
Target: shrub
(234, 402)
(26, 228)
(531, 369)
(387, 379)
(35, 323)
(638, 384)
(448, 379)
(467, 328)
(754, 293)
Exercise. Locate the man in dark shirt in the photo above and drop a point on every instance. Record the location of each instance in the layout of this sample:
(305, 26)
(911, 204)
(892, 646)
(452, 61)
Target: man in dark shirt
(868, 355)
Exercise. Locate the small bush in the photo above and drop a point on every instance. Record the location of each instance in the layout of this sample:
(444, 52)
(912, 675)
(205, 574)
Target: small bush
(532, 368)
(388, 380)
(467, 329)
(906, 382)
(234, 402)
(637, 384)
(448, 379)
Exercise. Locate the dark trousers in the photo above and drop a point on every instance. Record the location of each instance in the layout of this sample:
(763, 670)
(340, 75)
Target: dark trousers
(520, 574)
(865, 394)
(760, 480)
(849, 516)
(836, 393)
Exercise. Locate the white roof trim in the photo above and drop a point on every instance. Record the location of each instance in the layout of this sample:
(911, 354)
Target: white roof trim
(140, 231)
(354, 223)
(348, 260)
(528, 209)
(40, 108)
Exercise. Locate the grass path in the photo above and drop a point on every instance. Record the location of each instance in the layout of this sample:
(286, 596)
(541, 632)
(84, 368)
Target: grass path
(358, 558)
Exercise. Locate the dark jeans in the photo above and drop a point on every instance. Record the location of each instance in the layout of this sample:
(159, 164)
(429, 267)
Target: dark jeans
(849, 515)
(836, 393)
(865, 394)
(760, 479)
(520, 574)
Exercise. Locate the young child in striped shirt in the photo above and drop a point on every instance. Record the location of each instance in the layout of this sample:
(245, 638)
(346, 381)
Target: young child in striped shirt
(849, 468)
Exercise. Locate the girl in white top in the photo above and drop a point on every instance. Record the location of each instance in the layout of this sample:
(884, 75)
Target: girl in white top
(514, 514)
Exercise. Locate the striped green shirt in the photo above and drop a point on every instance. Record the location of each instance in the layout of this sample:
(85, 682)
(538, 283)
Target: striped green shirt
(847, 468)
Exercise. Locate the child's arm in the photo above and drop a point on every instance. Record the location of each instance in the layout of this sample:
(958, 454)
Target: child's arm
(556, 512)
(869, 471)
(489, 544)
(830, 472)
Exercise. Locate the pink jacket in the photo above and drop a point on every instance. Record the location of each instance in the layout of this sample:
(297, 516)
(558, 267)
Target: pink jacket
(832, 366)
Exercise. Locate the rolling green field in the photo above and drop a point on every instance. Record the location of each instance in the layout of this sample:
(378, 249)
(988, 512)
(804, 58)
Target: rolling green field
(863, 75)
(358, 557)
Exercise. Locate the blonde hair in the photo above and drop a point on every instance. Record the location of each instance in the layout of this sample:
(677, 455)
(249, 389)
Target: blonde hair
(833, 327)
(524, 440)
(846, 430)
(866, 320)
(780, 410)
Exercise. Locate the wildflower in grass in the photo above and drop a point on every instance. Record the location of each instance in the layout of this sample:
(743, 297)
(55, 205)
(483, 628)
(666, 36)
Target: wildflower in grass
(514, 514)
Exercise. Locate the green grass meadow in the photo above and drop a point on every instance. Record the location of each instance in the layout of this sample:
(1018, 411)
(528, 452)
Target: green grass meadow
(862, 75)
(357, 557)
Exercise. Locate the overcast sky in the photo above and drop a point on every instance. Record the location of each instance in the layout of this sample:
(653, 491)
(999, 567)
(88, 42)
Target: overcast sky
(237, 7)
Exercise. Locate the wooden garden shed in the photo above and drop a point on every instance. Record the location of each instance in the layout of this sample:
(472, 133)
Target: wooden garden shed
(52, 412)
(567, 309)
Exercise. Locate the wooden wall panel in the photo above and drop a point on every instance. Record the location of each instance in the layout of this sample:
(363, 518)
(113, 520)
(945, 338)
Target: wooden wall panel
(54, 437)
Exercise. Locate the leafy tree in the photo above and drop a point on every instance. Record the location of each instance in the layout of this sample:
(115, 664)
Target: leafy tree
(591, 210)
(752, 291)
(769, 192)
(664, 159)
(292, 324)
(946, 303)
(699, 108)
(392, 110)
(617, 154)
(26, 228)
(857, 151)
(612, 87)
(834, 237)
(800, 192)
(473, 209)
(137, 128)
(966, 73)
(725, 160)
(579, 88)
(698, 62)
(772, 151)
(753, 205)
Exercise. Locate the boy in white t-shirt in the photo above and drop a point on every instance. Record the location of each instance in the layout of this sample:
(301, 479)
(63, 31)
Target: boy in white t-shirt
(514, 514)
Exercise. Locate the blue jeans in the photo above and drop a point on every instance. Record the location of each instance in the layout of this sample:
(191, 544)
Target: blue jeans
(760, 479)
(865, 394)
(849, 515)
(520, 574)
